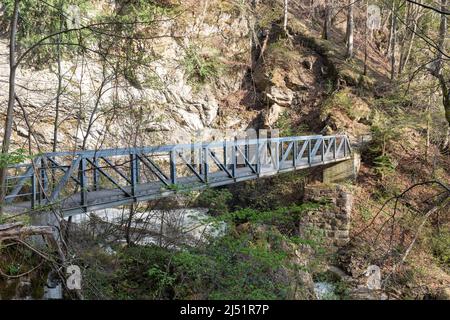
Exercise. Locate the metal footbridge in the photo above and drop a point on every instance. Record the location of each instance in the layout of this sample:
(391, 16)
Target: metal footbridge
(83, 181)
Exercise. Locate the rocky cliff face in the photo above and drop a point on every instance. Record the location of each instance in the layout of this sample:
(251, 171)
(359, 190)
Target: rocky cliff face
(213, 66)
(164, 102)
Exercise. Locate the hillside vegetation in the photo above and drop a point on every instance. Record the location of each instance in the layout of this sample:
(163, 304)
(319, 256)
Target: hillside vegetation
(137, 73)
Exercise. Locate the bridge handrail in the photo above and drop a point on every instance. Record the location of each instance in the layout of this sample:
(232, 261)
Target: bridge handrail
(171, 147)
(47, 176)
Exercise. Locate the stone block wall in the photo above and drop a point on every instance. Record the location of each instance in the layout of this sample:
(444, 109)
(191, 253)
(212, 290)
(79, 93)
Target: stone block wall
(332, 220)
(344, 170)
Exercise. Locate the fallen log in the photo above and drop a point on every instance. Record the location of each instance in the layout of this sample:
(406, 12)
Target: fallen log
(17, 231)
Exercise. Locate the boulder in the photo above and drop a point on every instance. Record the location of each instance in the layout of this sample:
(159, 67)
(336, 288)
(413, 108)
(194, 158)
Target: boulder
(363, 293)
(444, 293)
(282, 97)
(272, 115)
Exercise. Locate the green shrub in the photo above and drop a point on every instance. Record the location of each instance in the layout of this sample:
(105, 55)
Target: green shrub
(288, 128)
(13, 157)
(232, 267)
(39, 18)
(238, 265)
(440, 244)
(216, 200)
(266, 15)
(247, 269)
(342, 100)
(200, 68)
(383, 166)
(264, 194)
(275, 217)
(143, 274)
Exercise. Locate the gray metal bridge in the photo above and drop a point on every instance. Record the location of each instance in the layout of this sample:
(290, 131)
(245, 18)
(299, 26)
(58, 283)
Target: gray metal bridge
(82, 181)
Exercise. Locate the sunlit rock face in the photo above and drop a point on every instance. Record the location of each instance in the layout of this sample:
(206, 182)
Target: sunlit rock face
(164, 101)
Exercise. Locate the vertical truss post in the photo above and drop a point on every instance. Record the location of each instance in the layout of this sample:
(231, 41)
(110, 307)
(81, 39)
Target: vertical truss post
(247, 151)
(277, 156)
(225, 153)
(294, 153)
(234, 159)
(33, 190)
(83, 183)
(44, 175)
(95, 175)
(173, 167)
(133, 174)
(205, 163)
(138, 169)
(280, 155)
(258, 158)
(52, 169)
(323, 149)
(334, 148)
(309, 151)
(345, 146)
(192, 156)
(200, 160)
(265, 155)
(43, 181)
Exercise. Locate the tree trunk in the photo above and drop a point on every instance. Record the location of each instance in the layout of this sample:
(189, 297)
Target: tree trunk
(285, 16)
(17, 230)
(128, 233)
(445, 97)
(391, 30)
(445, 87)
(404, 40)
(442, 35)
(11, 99)
(350, 27)
(412, 20)
(366, 31)
(394, 43)
(428, 115)
(161, 230)
(94, 116)
(327, 22)
(404, 63)
(443, 81)
(59, 89)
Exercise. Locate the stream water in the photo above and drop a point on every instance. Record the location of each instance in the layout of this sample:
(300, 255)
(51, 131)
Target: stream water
(193, 224)
(325, 291)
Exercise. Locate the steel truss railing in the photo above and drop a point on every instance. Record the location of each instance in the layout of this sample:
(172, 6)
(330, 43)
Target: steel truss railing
(88, 180)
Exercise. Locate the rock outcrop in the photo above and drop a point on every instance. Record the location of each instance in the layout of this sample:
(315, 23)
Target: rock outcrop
(160, 97)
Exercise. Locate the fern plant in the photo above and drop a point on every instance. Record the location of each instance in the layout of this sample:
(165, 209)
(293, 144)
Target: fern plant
(384, 165)
(200, 68)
